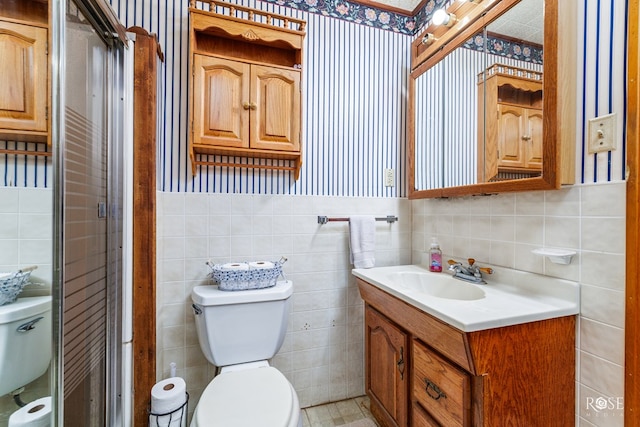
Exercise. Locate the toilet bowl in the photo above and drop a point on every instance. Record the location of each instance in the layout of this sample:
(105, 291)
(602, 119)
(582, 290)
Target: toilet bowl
(251, 396)
(238, 332)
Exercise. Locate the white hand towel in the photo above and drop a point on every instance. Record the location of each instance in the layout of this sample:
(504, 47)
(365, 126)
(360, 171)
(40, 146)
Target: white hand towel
(362, 239)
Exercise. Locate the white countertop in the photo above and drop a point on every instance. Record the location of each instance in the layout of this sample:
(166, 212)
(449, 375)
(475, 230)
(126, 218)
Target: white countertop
(511, 297)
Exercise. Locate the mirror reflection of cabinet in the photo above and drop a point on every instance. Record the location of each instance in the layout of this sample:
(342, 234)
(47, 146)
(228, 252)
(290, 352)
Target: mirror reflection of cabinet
(510, 123)
(450, 161)
(26, 203)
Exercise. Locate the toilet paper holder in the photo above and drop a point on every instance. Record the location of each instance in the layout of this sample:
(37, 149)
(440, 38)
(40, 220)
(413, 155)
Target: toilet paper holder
(175, 418)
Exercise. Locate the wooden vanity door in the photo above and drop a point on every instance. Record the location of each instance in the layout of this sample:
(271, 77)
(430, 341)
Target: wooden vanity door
(387, 373)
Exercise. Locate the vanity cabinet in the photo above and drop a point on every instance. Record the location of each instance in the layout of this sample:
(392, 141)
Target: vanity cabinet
(521, 375)
(23, 81)
(245, 91)
(510, 122)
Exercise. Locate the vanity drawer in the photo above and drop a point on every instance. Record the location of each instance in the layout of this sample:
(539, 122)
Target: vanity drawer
(440, 387)
(420, 417)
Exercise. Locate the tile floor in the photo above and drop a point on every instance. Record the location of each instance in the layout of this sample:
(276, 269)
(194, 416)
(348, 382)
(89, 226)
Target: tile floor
(337, 413)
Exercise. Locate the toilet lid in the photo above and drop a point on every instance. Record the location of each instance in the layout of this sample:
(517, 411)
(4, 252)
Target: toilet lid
(253, 397)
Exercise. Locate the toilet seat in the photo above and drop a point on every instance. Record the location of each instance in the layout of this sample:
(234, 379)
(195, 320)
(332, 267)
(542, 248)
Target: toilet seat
(252, 397)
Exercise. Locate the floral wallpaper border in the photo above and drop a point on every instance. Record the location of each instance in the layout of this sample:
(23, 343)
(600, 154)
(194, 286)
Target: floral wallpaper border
(360, 14)
(507, 48)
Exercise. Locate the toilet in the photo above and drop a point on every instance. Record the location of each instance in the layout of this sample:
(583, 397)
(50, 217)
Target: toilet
(25, 342)
(239, 331)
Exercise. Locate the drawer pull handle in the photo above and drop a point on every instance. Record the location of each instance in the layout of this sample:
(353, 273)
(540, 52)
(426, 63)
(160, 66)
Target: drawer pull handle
(400, 363)
(433, 390)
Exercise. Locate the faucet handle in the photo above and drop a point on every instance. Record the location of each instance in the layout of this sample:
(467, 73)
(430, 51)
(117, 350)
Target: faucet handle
(453, 262)
(486, 270)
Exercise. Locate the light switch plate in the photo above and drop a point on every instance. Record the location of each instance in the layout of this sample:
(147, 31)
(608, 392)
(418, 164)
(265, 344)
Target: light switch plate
(602, 133)
(389, 177)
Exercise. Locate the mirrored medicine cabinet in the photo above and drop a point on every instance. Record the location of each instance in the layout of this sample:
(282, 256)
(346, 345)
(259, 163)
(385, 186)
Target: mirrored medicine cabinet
(491, 101)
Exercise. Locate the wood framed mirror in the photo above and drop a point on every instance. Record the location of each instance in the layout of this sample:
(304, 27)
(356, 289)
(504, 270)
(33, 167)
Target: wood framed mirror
(456, 70)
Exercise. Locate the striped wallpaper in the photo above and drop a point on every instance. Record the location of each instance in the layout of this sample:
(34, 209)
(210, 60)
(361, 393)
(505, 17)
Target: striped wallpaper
(354, 108)
(602, 84)
(354, 104)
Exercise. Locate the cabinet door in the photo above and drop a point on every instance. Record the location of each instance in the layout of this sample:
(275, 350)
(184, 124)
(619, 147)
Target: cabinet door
(533, 152)
(387, 369)
(440, 387)
(23, 77)
(221, 102)
(275, 111)
(510, 136)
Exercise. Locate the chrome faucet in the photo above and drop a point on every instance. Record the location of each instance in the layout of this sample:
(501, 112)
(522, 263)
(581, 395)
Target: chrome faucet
(471, 273)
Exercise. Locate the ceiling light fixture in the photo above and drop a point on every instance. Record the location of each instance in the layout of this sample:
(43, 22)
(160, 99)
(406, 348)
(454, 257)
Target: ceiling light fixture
(442, 17)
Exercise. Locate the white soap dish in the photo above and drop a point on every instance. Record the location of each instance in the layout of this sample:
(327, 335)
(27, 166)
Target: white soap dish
(556, 256)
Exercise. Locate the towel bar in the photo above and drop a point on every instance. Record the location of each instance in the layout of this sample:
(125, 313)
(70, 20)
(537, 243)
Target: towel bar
(325, 219)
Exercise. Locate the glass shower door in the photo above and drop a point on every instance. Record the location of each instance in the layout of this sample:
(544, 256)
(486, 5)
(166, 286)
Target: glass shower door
(91, 229)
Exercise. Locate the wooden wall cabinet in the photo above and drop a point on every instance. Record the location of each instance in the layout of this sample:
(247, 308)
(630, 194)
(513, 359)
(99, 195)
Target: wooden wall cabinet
(24, 72)
(245, 92)
(509, 122)
(520, 375)
(246, 106)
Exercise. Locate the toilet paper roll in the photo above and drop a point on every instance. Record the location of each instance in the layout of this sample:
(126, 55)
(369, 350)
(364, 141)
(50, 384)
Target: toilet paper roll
(259, 265)
(233, 266)
(167, 396)
(34, 414)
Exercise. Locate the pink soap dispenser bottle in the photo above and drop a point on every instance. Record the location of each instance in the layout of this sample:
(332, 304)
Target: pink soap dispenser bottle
(435, 256)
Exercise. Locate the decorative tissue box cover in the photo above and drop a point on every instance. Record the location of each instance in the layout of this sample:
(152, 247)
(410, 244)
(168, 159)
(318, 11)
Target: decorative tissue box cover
(11, 285)
(242, 280)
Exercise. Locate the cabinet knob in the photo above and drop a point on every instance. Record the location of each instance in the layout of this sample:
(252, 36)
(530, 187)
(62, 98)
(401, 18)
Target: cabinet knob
(526, 137)
(249, 106)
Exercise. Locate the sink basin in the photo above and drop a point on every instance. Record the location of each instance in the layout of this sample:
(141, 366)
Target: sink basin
(510, 297)
(438, 286)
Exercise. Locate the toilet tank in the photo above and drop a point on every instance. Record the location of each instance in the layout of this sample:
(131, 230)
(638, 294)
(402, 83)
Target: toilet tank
(241, 326)
(25, 341)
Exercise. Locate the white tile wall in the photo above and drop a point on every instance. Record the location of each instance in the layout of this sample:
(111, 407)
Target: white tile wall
(590, 219)
(26, 222)
(323, 351)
